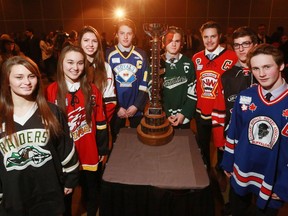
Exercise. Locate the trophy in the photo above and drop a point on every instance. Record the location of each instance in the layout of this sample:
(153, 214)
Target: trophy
(154, 128)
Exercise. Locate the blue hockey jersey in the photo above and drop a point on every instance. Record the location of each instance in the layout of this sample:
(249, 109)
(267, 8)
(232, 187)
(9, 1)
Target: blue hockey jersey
(256, 148)
(130, 77)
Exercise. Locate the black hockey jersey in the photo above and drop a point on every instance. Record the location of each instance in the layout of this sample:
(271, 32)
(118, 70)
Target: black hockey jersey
(35, 168)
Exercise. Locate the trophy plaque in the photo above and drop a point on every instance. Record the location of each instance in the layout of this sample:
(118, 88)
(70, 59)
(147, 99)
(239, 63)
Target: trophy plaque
(154, 128)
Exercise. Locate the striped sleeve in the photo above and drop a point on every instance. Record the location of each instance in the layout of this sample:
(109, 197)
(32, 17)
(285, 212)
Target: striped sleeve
(65, 149)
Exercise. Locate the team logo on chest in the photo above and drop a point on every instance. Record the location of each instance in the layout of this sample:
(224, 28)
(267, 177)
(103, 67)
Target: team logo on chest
(25, 148)
(125, 74)
(263, 132)
(29, 155)
(78, 124)
(209, 82)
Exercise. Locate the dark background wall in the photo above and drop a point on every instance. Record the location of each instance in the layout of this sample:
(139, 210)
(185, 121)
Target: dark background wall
(49, 15)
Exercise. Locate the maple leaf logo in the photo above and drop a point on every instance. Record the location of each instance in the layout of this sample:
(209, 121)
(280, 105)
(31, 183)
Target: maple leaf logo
(252, 107)
(285, 113)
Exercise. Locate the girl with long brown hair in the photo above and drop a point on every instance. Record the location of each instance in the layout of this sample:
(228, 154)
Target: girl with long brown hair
(82, 103)
(38, 161)
(99, 71)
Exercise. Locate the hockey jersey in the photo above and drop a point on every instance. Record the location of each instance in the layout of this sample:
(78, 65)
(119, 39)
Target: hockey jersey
(130, 74)
(178, 93)
(208, 74)
(256, 148)
(109, 93)
(35, 168)
(233, 81)
(90, 140)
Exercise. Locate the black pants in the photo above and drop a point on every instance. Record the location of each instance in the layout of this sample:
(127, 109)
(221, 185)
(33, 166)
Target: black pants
(91, 183)
(204, 131)
(118, 123)
(242, 205)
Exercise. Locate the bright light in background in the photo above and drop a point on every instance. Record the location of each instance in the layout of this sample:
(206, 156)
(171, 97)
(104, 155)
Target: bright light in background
(119, 13)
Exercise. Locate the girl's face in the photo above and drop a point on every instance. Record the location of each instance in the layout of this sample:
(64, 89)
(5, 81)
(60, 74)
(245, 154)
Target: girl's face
(125, 36)
(9, 46)
(73, 66)
(22, 82)
(89, 43)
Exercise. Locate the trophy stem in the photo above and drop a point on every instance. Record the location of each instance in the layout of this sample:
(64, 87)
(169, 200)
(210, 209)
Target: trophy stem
(154, 128)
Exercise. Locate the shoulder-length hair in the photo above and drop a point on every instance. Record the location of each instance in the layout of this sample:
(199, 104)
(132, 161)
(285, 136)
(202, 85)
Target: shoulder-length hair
(98, 75)
(62, 87)
(6, 102)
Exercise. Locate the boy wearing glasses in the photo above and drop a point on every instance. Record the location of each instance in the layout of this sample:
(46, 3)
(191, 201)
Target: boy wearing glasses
(178, 92)
(256, 156)
(210, 64)
(234, 80)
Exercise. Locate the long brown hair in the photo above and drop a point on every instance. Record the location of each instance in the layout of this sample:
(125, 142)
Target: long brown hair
(6, 102)
(98, 74)
(84, 84)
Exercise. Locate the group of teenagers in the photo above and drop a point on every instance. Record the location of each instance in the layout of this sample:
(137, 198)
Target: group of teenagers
(53, 139)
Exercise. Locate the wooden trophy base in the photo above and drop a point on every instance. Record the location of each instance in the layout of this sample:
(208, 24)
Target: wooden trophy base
(155, 130)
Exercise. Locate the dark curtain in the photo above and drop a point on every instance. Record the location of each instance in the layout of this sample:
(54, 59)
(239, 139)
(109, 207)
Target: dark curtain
(138, 200)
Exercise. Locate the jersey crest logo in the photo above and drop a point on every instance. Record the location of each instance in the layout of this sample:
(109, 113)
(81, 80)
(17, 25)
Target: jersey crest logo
(232, 98)
(186, 67)
(245, 101)
(174, 82)
(28, 155)
(226, 64)
(263, 132)
(252, 107)
(77, 123)
(198, 63)
(93, 100)
(244, 107)
(284, 131)
(285, 113)
(125, 74)
(209, 83)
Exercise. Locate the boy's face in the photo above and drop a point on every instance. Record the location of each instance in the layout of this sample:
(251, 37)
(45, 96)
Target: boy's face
(242, 45)
(210, 39)
(125, 36)
(266, 71)
(173, 43)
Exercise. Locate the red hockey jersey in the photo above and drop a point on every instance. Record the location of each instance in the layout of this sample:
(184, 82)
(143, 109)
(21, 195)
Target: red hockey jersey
(84, 135)
(208, 74)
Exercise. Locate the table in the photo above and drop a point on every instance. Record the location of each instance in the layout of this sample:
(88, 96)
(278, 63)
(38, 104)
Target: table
(155, 180)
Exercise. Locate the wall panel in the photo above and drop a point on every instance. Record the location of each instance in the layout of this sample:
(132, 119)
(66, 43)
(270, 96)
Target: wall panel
(52, 10)
(11, 9)
(32, 10)
(197, 8)
(47, 15)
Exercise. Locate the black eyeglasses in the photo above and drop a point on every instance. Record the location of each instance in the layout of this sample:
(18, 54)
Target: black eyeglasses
(245, 44)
